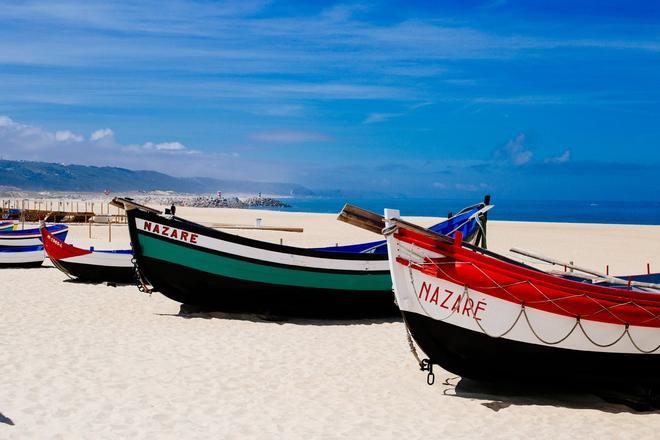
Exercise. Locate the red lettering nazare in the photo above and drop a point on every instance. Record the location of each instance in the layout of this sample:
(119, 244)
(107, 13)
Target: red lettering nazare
(467, 306)
(165, 229)
(193, 238)
(147, 226)
(447, 299)
(425, 287)
(184, 236)
(457, 304)
(479, 307)
(434, 297)
(174, 234)
(156, 229)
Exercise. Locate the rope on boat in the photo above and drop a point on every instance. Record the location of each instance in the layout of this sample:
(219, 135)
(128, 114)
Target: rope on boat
(523, 304)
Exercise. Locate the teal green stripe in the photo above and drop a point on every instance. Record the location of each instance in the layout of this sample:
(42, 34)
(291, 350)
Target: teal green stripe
(233, 268)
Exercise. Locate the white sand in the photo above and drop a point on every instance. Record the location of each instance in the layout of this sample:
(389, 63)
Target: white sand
(92, 361)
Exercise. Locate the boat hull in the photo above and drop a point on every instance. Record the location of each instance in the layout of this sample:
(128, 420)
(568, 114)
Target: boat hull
(26, 257)
(223, 293)
(221, 271)
(30, 237)
(476, 356)
(114, 266)
(95, 273)
(485, 317)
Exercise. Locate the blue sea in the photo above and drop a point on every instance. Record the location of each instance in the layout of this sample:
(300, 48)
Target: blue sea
(642, 213)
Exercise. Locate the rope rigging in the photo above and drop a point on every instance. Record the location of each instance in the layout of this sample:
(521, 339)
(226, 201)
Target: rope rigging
(523, 305)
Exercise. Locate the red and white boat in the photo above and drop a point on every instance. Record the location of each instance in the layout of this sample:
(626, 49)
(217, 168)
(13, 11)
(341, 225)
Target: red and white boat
(89, 264)
(486, 317)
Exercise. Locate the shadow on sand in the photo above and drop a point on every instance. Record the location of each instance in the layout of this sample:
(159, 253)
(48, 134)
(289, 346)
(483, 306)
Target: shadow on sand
(500, 396)
(192, 312)
(95, 283)
(494, 396)
(6, 420)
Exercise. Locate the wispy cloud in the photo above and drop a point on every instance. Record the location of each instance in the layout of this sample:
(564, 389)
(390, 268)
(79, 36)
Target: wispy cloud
(562, 158)
(380, 117)
(25, 141)
(515, 151)
(289, 137)
(101, 133)
(68, 136)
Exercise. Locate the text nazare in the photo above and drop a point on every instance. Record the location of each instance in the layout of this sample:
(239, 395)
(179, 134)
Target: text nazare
(447, 299)
(169, 232)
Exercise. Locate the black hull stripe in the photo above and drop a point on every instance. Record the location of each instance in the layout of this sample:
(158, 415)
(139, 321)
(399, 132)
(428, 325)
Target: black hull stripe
(96, 273)
(477, 356)
(214, 292)
(21, 265)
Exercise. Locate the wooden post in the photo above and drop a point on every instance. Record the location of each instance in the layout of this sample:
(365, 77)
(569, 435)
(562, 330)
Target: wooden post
(281, 241)
(109, 229)
(23, 214)
(648, 268)
(607, 269)
(89, 220)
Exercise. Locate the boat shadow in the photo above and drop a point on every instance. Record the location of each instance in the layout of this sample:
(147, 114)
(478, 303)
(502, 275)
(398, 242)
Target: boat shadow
(95, 283)
(501, 396)
(190, 312)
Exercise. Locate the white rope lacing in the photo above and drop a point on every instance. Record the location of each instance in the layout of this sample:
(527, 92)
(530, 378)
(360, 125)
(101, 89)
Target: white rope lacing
(523, 309)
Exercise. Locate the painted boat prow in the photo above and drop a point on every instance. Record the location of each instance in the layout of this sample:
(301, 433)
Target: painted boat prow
(88, 265)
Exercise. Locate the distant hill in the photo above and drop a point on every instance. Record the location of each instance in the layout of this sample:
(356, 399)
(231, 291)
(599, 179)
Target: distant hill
(44, 176)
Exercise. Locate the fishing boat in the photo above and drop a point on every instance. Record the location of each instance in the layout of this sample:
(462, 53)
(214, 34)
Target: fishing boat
(486, 317)
(205, 267)
(30, 237)
(22, 256)
(9, 225)
(88, 264)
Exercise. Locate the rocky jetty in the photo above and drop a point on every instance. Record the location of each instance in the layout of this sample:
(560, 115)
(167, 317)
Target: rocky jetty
(217, 202)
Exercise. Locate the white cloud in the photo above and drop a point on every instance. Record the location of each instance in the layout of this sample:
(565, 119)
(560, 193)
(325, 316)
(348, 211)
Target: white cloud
(379, 117)
(101, 133)
(29, 142)
(289, 136)
(6, 121)
(562, 158)
(68, 136)
(515, 151)
(165, 146)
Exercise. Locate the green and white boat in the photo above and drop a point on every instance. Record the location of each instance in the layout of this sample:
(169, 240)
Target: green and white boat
(200, 266)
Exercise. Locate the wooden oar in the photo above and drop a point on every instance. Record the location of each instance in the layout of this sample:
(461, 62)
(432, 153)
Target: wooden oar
(260, 228)
(376, 223)
(605, 277)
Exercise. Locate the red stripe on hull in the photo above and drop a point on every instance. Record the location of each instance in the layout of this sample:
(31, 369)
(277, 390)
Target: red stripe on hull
(532, 288)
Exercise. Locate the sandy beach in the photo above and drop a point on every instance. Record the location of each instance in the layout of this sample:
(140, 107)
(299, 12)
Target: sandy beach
(94, 361)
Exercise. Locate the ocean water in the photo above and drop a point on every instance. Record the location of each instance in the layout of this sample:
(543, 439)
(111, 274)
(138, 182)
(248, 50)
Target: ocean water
(623, 212)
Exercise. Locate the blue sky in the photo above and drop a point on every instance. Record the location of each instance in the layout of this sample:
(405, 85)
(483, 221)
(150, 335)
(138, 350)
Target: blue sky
(528, 99)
